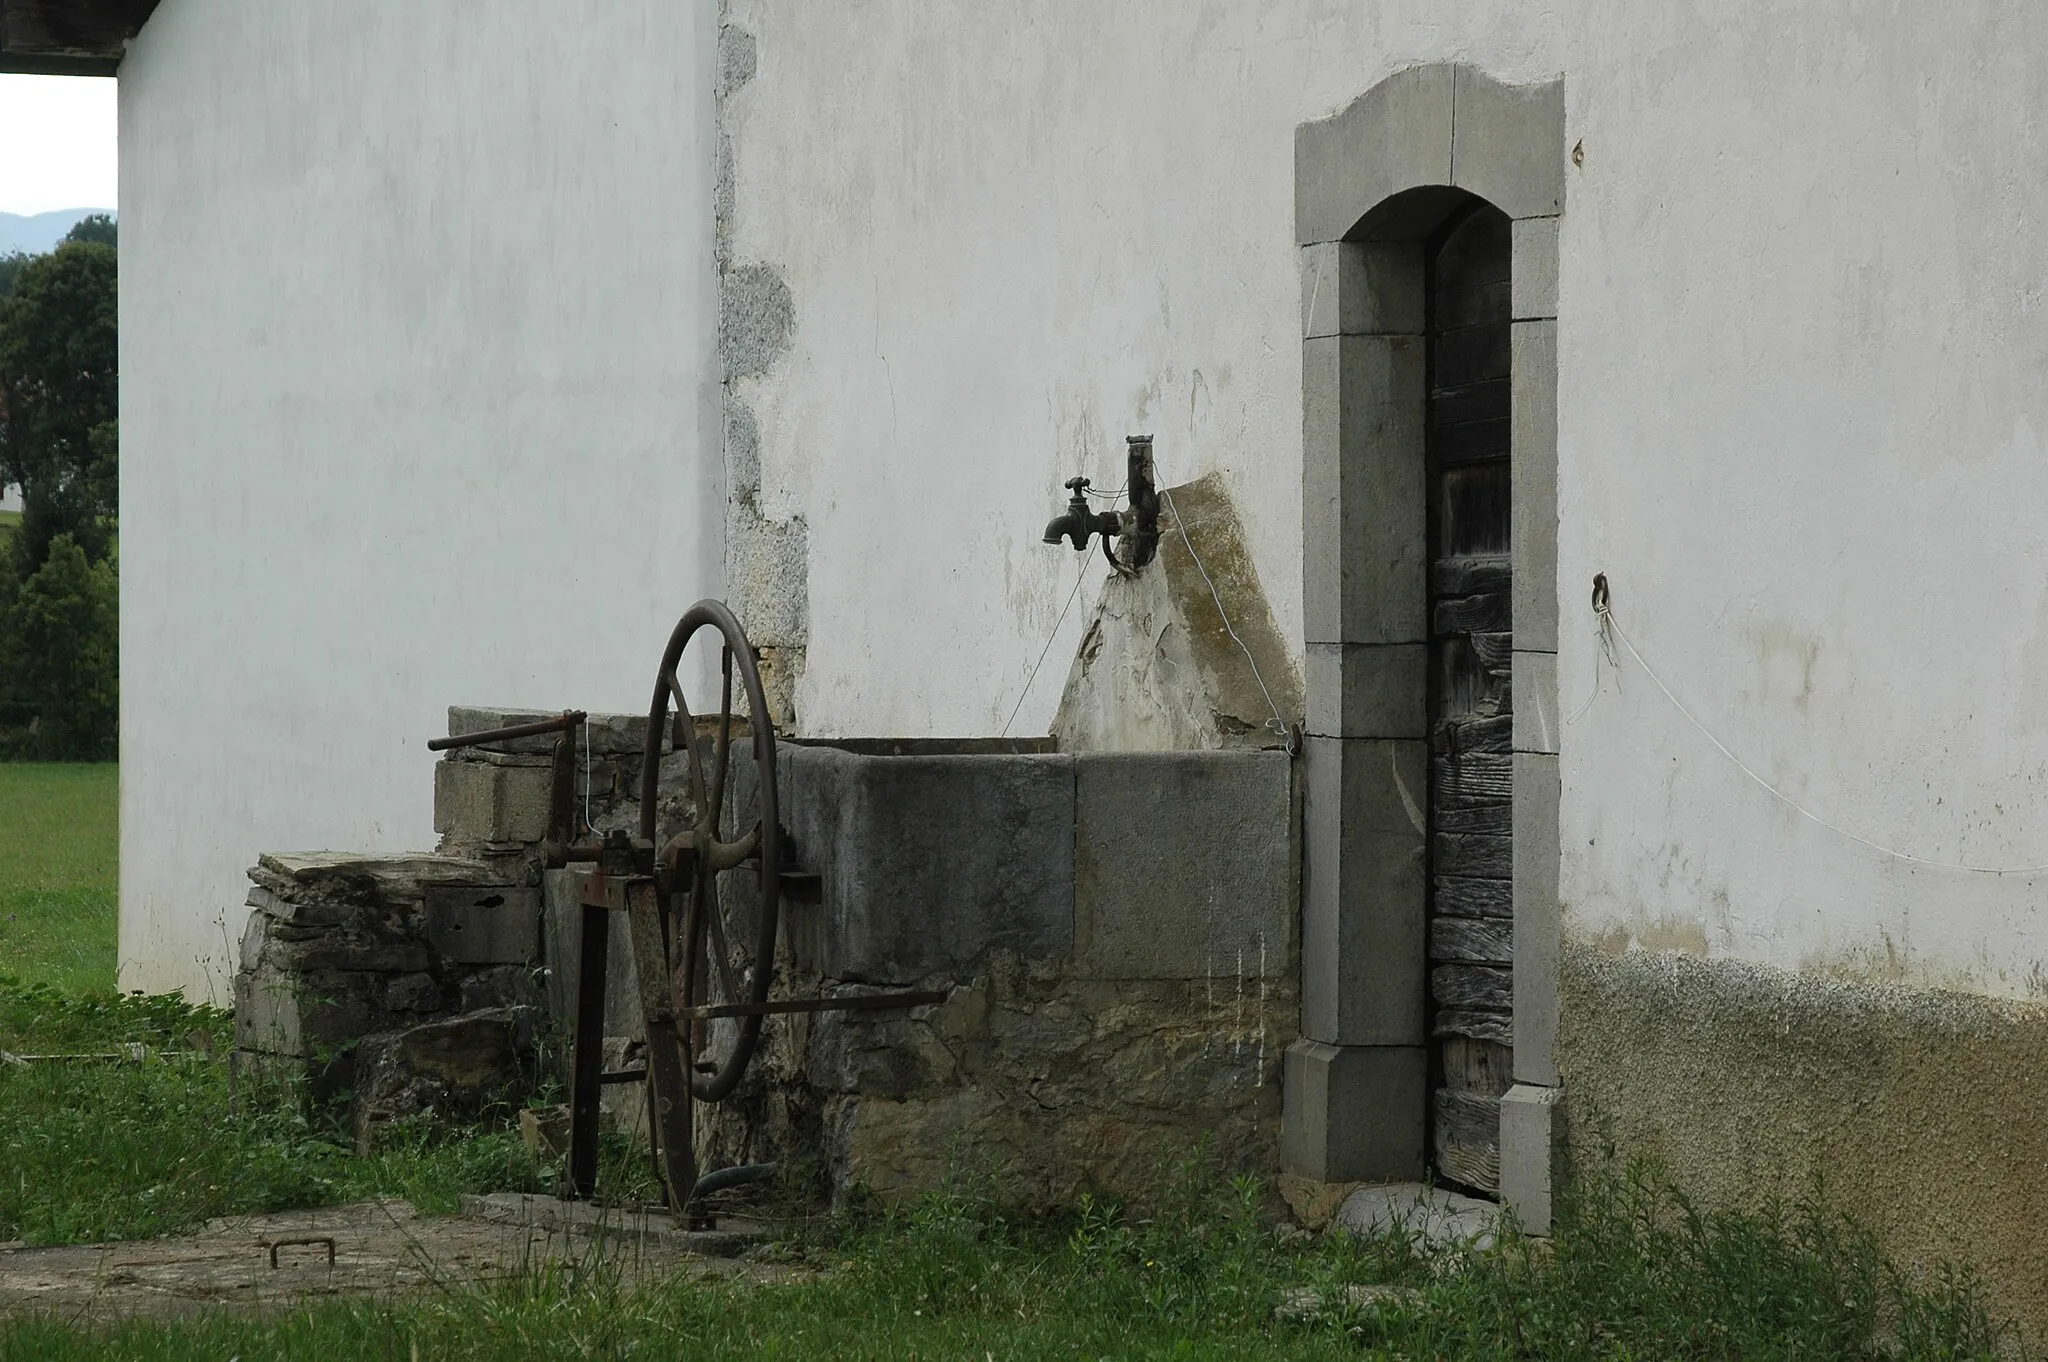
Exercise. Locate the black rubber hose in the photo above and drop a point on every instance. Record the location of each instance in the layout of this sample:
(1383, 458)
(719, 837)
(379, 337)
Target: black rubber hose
(739, 1175)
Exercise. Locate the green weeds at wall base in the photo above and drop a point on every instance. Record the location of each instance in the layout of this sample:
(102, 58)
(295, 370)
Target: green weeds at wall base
(1632, 1273)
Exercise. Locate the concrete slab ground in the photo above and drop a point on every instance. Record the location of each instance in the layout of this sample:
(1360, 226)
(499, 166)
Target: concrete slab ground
(381, 1249)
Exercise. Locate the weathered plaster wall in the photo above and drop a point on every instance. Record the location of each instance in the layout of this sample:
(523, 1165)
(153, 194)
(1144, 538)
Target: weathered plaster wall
(1818, 502)
(1799, 409)
(1920, 1112)
(419, 404)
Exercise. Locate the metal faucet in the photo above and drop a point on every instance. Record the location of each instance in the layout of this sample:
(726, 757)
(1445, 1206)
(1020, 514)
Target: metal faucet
(1080, 524)
(1138, 526)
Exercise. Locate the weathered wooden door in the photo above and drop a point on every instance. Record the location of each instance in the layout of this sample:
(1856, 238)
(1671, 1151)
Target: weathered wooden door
(1471, 927)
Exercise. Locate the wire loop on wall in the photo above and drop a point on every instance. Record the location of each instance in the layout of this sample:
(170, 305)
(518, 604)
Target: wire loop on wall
(1609, 629)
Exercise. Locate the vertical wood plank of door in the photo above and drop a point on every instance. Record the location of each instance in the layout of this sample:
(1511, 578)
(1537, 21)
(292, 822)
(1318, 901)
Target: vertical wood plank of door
(1471, 848)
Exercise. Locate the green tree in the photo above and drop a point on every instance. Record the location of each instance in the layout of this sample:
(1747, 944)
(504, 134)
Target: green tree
(99, 229)
(65, 663)
(58, 400)
(59, 442)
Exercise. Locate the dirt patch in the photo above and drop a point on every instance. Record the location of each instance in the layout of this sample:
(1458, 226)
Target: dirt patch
(377, 1248)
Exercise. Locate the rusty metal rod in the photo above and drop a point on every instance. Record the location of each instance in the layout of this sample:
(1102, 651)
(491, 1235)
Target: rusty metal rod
(586, 1073)
(561, 723)
(866, 1002)
(303, 1241)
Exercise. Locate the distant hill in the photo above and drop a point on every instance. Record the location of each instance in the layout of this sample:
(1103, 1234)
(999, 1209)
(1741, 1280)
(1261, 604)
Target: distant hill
(38, 232)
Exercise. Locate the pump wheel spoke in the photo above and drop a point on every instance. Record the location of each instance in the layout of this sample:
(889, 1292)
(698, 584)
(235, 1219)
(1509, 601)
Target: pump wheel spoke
(722, 759)
(721, 953)
(686, 738)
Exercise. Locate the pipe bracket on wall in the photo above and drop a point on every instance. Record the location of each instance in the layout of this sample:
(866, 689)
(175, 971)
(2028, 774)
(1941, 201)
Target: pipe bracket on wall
(1141, 522)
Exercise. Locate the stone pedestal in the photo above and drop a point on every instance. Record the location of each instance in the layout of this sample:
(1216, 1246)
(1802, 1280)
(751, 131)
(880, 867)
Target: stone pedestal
(1531, 1143)
(1354, 1113)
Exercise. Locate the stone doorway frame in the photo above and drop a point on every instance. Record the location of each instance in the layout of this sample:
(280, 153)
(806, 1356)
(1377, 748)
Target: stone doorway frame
(1370, 185)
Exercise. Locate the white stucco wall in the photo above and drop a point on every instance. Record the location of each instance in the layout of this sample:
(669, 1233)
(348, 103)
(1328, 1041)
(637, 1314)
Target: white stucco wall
(1810, 257)
(418, 408)
(1802, 340)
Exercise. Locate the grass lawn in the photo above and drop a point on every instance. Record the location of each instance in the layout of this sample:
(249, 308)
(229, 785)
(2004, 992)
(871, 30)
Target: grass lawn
(100, 1151)
(59, 856)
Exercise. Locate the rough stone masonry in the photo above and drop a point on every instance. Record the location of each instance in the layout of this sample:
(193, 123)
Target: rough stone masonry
(406, 982)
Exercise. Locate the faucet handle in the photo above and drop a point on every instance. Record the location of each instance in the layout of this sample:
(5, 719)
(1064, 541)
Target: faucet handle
(1077, 485)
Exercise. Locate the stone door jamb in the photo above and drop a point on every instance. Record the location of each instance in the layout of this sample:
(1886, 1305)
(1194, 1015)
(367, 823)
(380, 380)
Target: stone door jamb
(1370, 184)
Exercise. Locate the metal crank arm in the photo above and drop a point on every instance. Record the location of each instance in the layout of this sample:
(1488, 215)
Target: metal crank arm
(865, 1002)
(731, 855)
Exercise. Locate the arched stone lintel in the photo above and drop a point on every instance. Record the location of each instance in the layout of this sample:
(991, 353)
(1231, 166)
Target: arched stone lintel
(1439, 126)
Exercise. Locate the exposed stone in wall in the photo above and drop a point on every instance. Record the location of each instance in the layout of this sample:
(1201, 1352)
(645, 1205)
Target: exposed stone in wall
(742, 451)
(736, 58)
(756, 317)
(767, 568)
(1158, 669)
(1048, 1083)
(767, 575)
(1921, 1113)
(492, 803)
(465, 1069)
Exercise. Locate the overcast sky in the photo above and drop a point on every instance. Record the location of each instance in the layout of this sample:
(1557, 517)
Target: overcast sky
(56, 143)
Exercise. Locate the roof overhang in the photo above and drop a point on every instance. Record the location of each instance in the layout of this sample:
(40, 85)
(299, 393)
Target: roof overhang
(68, 37)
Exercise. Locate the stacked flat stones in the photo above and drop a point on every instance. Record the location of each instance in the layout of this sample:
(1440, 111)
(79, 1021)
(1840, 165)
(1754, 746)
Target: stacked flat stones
(341, 952)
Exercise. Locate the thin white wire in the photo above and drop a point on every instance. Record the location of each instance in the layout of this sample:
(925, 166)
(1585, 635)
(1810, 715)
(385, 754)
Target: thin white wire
(1082, 577)
(1605, 654)
(1279, 721)
(586, 775)
(1609, 622)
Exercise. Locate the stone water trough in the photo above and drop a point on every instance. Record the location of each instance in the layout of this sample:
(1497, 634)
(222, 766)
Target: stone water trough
(1117, 931)
(1116, 934)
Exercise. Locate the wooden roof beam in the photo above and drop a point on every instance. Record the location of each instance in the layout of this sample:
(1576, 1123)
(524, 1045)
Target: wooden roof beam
(68, 37)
